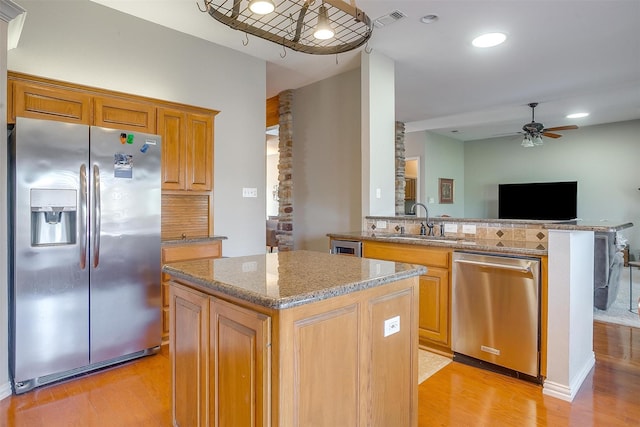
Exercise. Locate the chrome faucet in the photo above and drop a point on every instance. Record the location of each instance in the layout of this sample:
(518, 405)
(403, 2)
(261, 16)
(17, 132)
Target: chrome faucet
(426, 219)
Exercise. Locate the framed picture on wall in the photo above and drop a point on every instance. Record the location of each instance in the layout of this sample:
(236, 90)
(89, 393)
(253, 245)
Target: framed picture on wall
(446, 190)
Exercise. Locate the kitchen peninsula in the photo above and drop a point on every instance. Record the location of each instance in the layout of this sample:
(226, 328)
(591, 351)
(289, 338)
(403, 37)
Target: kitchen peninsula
(276, 339)
(566, 250)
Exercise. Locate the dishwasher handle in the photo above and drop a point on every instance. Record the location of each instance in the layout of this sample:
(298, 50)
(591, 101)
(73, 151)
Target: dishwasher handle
(521, 268)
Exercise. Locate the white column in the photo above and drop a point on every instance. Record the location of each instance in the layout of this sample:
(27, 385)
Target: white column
(378, 134)
(8, 11)
(570, 355)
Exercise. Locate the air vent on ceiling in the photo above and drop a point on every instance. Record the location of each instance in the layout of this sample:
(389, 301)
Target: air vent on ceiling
(389, 18)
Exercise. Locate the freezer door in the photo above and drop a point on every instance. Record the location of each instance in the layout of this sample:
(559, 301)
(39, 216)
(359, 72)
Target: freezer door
(49, 291)
(125, 243)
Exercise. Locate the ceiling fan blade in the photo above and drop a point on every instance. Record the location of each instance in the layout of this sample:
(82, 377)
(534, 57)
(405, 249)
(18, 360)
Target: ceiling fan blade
(551, 135)
(568, 127)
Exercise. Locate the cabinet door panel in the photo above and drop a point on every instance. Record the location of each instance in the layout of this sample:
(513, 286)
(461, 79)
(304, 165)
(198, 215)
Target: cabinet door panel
(123, 114)
(240, 340)
(434, 306)
(199, 152)
(190, 349)
(42, 102)
(172, 128)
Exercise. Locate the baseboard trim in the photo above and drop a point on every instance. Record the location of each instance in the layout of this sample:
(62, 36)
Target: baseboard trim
(567, 393)
(5, 390)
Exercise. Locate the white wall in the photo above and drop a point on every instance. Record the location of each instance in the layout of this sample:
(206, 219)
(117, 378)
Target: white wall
(326, 160)
(603, 159)
(440, 157)
(86, 43)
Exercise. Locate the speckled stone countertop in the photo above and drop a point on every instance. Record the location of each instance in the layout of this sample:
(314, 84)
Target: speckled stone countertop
(579, 224)
(194, 240)
(515, 247)
(288, 279)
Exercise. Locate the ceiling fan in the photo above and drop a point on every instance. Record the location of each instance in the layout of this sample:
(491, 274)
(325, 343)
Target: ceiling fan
(534, 131)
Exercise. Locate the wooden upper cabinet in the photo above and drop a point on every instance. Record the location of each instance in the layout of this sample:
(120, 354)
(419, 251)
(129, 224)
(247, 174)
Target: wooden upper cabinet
(199, 152)
(49, 103)
(124, 114)
(187, 150)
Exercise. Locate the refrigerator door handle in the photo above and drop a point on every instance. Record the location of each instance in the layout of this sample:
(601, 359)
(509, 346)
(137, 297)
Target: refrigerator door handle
(82, 226)
(96, 216)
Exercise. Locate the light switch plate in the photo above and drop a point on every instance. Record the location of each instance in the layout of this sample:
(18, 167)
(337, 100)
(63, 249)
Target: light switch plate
(381, 224)
(451, 228)
(249, 192)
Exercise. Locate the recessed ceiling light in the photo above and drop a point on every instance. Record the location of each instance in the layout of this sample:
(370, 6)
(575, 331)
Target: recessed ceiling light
(577, 115)
(489, 40)
(429, 19)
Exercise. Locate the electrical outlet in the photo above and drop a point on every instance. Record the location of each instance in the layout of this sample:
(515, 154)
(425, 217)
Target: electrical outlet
(381, 224)
(392, 326)
(451, 228)
(378, 193)
(249, 192)
(469, 228)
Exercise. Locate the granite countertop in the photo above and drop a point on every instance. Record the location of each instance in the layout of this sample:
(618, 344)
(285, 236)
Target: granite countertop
(288, 279)
(577, 224)
(193, 240)
(501, 246)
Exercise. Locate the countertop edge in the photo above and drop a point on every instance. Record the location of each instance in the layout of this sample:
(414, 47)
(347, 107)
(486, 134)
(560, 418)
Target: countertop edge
(542, 251)
(296, 300)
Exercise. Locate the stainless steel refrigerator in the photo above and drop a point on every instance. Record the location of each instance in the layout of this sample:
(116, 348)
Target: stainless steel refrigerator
(85, 249)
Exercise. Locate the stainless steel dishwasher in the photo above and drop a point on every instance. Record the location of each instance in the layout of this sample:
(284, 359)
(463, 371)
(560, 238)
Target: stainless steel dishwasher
(496, 313)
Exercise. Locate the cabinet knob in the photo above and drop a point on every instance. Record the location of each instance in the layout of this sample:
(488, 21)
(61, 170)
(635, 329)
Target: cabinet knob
(184, 236)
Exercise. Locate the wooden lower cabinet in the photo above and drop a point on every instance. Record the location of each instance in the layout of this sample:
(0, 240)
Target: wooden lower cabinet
(324, 364)
(182, 252)
(435, 287)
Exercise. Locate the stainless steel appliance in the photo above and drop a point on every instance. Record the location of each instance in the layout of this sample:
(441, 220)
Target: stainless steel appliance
(346, 247)
(496, 312)
(85, 249)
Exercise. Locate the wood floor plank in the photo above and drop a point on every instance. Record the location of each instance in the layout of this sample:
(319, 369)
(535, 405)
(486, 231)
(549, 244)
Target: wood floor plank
(138, 393)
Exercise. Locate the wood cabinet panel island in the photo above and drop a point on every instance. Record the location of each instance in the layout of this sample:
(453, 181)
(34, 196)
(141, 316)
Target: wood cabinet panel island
(294, 339)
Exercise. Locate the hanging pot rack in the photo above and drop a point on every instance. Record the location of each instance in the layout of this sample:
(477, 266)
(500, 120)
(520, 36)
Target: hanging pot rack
(292, 23)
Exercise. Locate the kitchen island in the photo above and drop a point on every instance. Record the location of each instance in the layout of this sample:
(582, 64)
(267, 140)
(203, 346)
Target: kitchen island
(294, 338)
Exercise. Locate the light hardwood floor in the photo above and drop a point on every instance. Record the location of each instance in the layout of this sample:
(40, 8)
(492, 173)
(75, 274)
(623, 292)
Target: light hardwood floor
(138, 394)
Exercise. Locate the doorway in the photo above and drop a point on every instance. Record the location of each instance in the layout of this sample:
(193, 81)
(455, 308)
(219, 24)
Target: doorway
(412, 183)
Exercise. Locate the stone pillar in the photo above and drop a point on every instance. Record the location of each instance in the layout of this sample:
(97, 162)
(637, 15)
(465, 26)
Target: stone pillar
(400, 168)
(284, 233)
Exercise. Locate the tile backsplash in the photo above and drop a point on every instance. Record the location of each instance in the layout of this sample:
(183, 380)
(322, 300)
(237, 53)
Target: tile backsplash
(464, 229)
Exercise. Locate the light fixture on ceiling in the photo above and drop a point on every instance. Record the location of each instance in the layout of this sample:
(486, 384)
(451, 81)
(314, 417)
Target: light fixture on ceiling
(577, 115)
(261, 7)
(489, 40)
(527, 141)
(323, 31)
(429, 19)
(295, 24)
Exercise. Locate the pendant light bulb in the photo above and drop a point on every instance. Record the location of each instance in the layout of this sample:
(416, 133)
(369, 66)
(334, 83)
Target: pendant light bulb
(526, 141)
(537, 140)
(323, 28)
(261, 7)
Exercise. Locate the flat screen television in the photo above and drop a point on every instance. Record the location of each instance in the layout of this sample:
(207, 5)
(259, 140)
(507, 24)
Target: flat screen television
(538, 200)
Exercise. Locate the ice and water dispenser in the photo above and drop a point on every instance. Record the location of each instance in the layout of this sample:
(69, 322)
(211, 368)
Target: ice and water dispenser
(53, 217)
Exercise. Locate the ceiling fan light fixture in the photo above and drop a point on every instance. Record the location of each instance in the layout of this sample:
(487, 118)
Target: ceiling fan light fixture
(323, 30)
(537, 140)
(489, 40)
(262, 7)
(526, 142)
(577, 115)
